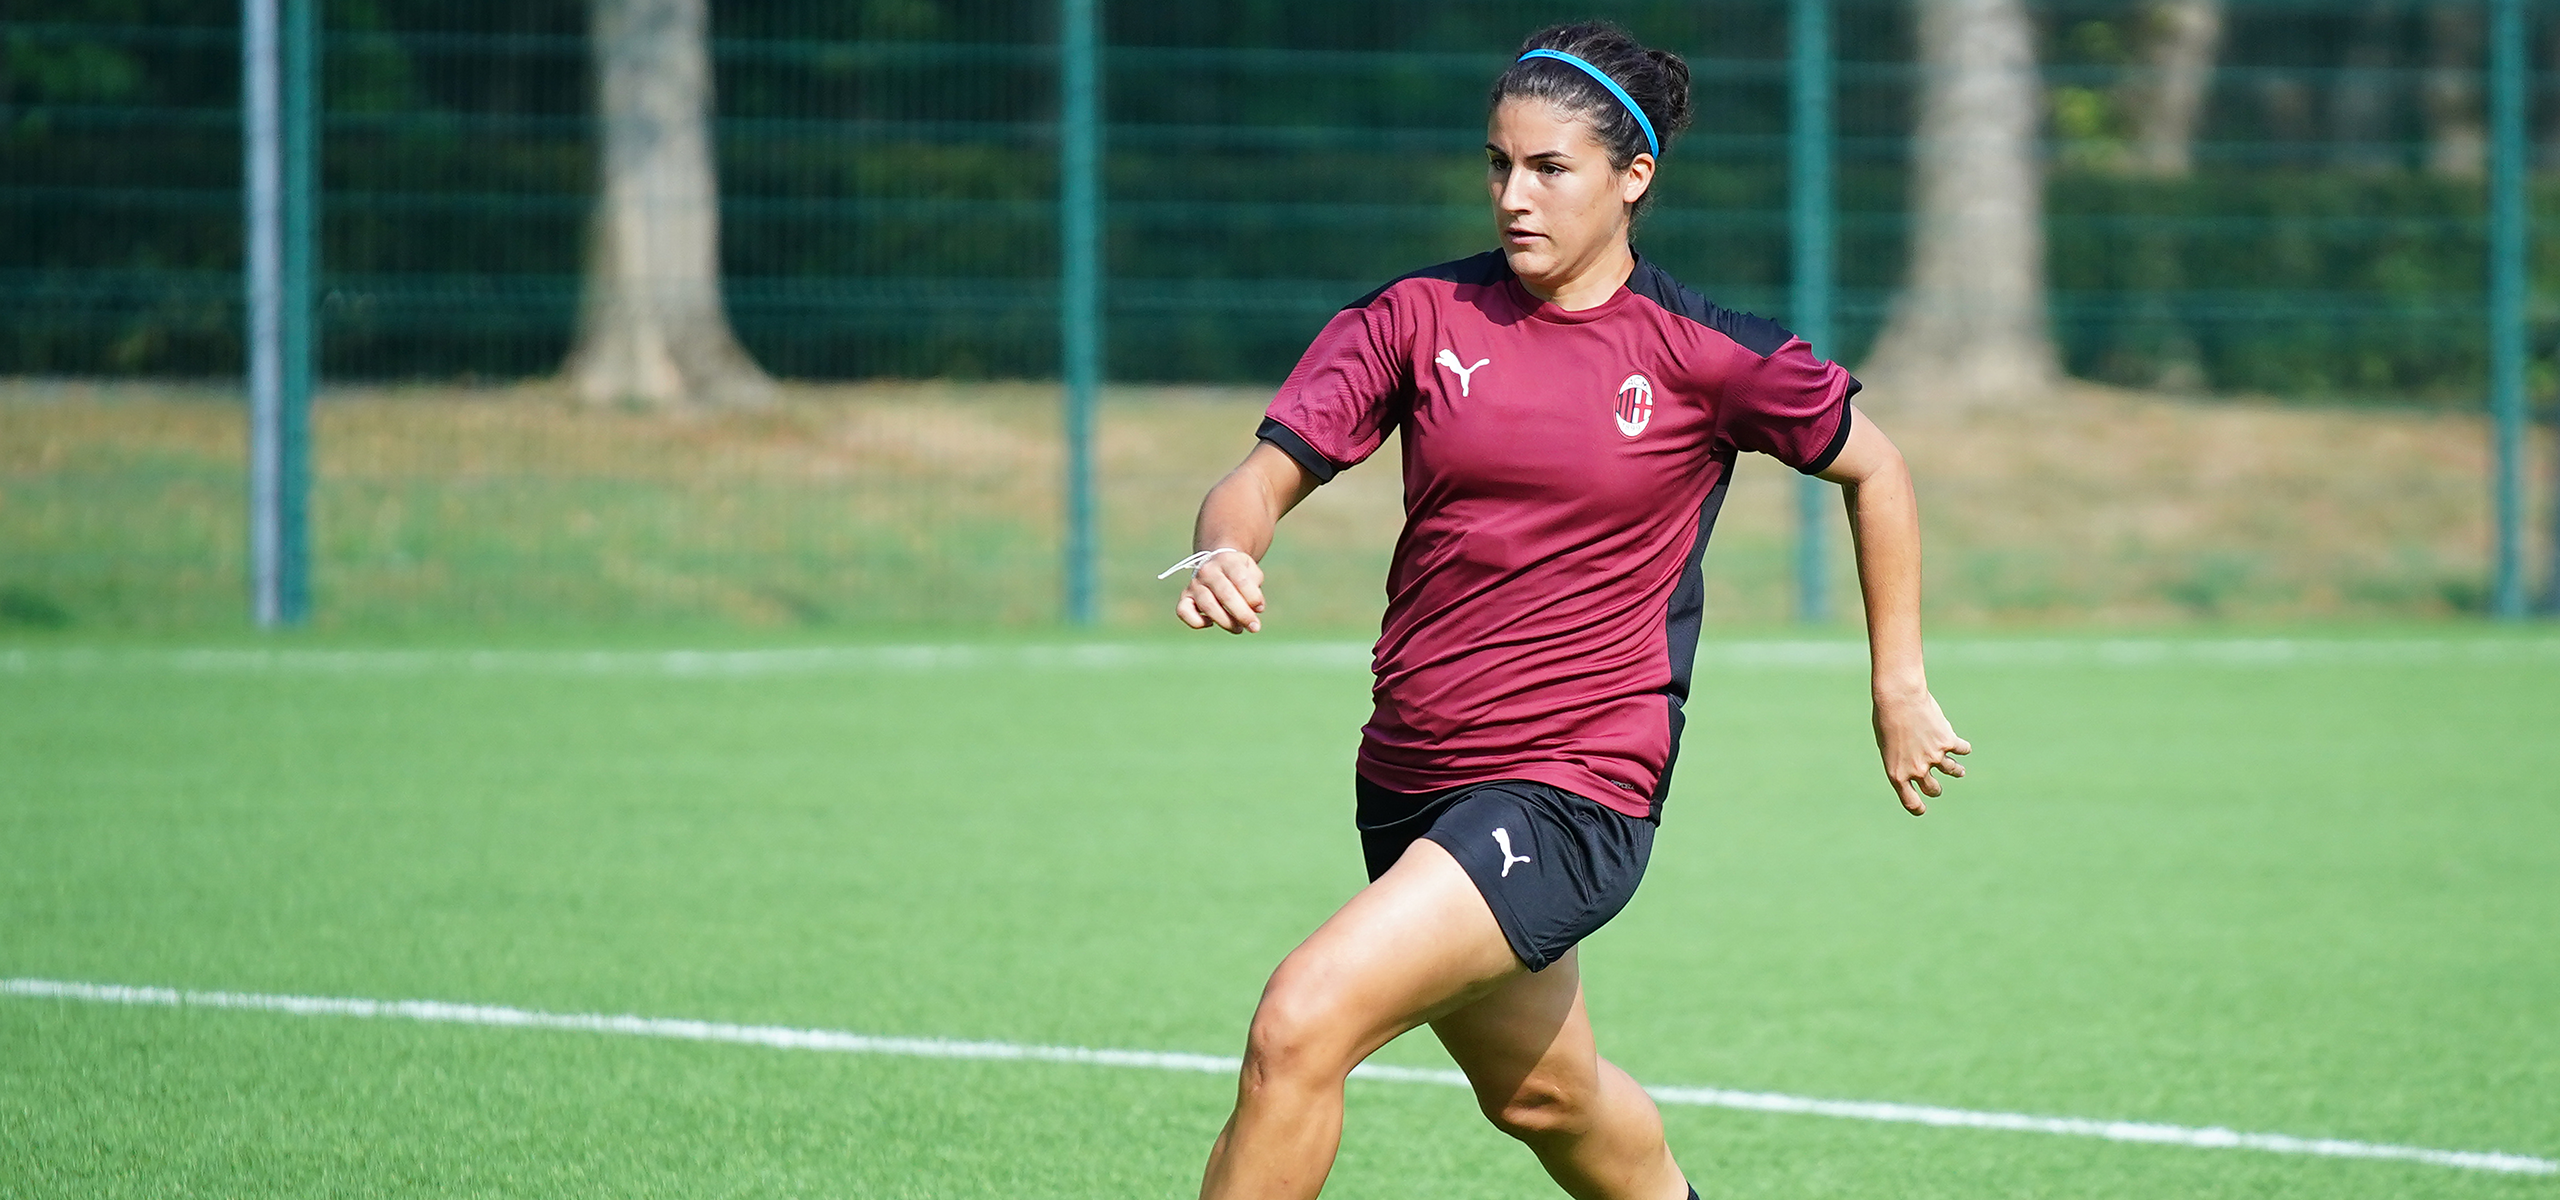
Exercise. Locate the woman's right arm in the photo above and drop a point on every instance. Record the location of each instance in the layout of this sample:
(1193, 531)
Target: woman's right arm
(1239, 514)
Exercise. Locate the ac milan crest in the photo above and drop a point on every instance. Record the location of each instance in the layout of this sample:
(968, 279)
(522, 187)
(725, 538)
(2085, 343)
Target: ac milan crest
(1635, 405)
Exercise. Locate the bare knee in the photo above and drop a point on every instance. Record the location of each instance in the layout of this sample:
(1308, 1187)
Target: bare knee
(1299, 1038)
(1537, 1108)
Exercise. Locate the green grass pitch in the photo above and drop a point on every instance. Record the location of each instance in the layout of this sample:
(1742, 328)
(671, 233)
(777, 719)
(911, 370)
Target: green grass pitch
(2309, 899)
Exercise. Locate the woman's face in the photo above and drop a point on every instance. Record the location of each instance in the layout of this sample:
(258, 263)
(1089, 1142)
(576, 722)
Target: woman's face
(1556, 204)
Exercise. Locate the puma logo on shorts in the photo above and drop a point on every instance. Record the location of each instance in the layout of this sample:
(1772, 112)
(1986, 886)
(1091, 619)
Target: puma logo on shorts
(1554, 866)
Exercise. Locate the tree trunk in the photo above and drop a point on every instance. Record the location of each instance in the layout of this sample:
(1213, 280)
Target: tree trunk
(2180, 39)
(2457, 116)
(2360, 107)
(1969, 326)
(652, 328)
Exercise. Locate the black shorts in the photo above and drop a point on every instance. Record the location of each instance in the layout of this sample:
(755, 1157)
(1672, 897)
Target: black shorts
(1553, 865)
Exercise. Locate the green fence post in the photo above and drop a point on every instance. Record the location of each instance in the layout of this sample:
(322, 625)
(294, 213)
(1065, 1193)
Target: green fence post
(301, 342)
(279, 98)
(1810, 221)
(1080, 283)
(2507, 294)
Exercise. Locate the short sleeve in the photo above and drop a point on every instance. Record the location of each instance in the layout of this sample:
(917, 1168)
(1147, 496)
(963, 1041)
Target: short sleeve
(1791, 406)
(1349, 389)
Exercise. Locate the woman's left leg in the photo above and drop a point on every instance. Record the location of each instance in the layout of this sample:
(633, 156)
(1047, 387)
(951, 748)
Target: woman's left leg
(1527, 1048)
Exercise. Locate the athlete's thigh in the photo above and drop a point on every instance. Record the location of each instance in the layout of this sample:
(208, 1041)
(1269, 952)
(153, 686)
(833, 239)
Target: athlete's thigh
(1532, 1027)
(1412, 945)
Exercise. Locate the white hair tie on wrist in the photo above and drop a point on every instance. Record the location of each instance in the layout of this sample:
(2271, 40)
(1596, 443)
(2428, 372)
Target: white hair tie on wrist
(1199, 560)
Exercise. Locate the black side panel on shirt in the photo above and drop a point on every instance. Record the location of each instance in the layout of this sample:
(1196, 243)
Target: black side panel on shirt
(1477, 270)
(1324, 469)
(1687, 611)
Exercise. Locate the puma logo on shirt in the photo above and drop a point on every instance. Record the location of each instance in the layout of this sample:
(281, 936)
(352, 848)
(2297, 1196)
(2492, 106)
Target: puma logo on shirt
(1466, 375)
(1502, 838)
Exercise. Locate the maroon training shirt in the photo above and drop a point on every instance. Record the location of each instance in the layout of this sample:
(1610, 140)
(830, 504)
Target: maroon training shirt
(1562, 471)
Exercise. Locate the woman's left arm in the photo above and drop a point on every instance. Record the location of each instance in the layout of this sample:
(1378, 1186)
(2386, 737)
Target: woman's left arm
(1884, 525)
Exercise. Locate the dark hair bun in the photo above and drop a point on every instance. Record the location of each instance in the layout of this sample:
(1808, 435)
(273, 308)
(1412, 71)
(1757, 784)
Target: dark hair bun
(1657, 79)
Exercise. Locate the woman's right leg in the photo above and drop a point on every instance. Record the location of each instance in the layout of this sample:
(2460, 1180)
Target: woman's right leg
(1416, 944)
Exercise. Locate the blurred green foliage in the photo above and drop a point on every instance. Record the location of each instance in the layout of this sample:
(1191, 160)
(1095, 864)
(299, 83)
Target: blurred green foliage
(887, 177)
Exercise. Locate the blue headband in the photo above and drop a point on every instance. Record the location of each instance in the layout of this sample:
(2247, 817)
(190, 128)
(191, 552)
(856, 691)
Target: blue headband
(1651, 143)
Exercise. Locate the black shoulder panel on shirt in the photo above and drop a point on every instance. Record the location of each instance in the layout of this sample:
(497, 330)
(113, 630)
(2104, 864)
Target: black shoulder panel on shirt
(1488, 267)
(1759, 335)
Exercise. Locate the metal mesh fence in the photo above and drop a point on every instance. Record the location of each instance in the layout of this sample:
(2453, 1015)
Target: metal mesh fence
(888, 183)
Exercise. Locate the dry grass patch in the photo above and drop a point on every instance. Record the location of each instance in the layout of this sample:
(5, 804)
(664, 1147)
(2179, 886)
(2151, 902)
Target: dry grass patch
(120, 505)
(2119, 506)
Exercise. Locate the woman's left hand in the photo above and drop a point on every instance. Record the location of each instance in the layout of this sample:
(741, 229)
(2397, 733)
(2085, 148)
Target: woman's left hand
(1915, 740)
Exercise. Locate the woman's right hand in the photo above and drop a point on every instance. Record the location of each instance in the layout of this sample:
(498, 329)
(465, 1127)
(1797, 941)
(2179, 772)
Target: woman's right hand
(1237, 518)
(1226, 592)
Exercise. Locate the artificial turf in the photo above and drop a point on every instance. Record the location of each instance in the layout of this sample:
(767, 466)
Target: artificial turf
(2292, 897)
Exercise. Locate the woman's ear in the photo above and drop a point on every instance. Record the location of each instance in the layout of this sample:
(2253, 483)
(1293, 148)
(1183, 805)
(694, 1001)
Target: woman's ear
(1639, 179)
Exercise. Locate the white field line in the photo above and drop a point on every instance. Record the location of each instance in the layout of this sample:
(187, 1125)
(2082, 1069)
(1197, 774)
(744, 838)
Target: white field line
(685, 663)
(1807, 654)
(785, 1038)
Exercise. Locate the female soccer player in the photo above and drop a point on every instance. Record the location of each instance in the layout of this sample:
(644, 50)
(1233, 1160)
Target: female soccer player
(1542, 615)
